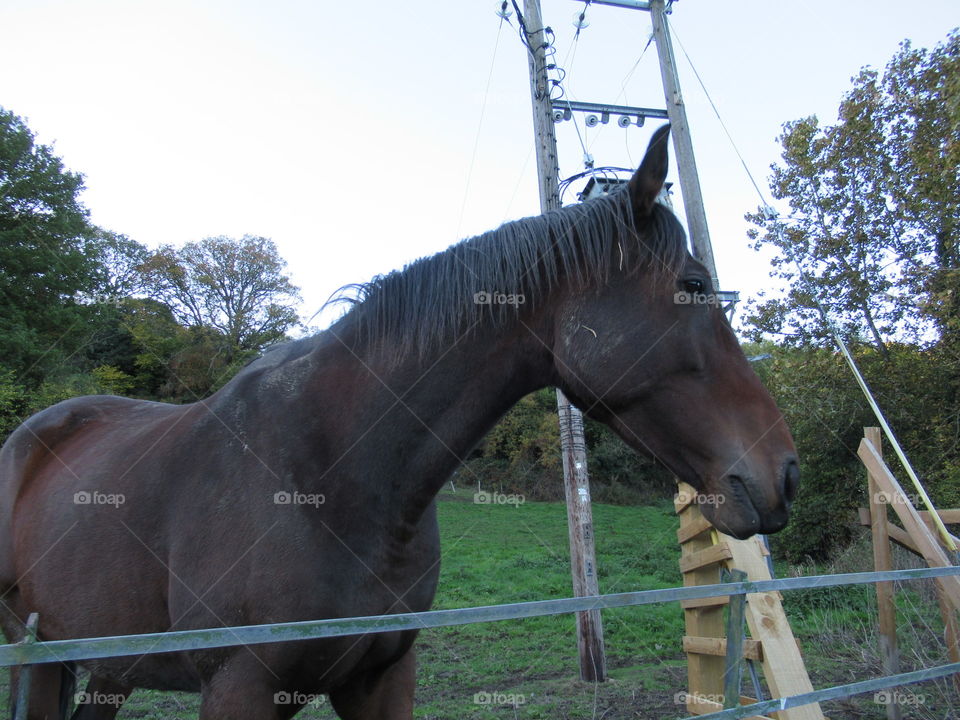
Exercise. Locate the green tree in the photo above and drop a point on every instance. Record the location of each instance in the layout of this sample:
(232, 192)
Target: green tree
(874, 208)
(874, 217)
(922, 106)
(46, 254)
(237, 287)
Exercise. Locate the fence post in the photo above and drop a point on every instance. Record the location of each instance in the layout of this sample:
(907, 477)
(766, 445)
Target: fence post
(736, 619)
(23, 680)
(882, 560)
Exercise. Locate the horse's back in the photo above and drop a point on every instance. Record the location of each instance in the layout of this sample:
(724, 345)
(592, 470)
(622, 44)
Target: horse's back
(44, 446)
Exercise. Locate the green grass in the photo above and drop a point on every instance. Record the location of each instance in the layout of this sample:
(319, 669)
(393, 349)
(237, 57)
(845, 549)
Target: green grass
(500, 554)
(503, 553)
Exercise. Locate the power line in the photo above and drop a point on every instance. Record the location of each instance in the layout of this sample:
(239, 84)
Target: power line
(483, 110)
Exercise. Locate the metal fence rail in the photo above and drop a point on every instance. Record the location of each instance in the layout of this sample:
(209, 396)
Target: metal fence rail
(837, 692)
(184, 640)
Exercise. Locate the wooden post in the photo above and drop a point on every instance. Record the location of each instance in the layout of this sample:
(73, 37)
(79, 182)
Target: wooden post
(23, 679)
(951, 632)
(882, 560)
(576, 481)
(703, 619)
(736, 611)
(682, 143)
(926, 542)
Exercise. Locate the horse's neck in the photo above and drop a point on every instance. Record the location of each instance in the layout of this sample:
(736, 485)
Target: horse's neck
(424, 415)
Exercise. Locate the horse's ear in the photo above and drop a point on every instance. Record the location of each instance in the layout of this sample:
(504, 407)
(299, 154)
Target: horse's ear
(647, 181)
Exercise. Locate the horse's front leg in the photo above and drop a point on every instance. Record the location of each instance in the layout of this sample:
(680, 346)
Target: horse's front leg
(244, 688)
(385, 695)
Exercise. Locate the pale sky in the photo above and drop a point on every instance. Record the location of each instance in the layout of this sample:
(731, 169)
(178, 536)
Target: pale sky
(346, 131)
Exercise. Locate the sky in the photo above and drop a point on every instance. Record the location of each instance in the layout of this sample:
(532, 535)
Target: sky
(361, 136)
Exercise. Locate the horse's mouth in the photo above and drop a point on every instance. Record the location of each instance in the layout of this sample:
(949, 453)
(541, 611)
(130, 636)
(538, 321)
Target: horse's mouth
(736, 513)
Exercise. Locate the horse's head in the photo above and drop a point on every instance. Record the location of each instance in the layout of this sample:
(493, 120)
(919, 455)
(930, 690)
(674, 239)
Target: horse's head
(652, 355)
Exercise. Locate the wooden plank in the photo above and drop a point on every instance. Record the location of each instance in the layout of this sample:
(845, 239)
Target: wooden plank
(712, 555)
(710, 602)
(949, 517)
(698, 705)
(883, 560)
(752, 650)
(928, 521)
(927, 544)
(704, 617)
(783, 665)
(684, 498)
(693, 528)
(896, 534)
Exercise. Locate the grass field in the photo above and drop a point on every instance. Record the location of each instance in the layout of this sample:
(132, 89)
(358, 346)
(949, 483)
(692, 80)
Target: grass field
(528, 669)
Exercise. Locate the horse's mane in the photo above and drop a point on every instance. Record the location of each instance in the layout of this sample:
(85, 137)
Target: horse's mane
(432, 299)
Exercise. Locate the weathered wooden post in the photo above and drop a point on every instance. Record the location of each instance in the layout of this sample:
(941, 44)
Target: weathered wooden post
(882, 560)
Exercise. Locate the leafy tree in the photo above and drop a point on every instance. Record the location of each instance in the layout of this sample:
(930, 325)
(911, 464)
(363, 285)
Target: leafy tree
(237, 287)
(46, 257)
(874, 208)
(874, 220)
(922, 91)
(120, 260)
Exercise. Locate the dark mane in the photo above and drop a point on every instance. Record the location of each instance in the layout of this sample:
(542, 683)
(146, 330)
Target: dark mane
(433, 299)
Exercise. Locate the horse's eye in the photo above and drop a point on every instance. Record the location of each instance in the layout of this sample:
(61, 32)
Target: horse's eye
(694, 286)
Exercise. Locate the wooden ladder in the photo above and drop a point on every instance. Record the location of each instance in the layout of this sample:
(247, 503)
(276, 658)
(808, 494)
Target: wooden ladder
(704, 551)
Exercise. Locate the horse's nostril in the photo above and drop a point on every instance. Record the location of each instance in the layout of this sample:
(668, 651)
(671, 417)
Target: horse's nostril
(791, 480)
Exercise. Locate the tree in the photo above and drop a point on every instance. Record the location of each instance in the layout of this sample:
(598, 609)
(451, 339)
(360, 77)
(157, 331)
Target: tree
(120, 260)
(874, 220)
(923, 119)
(234, 286)
(874, 208)
(46, 257)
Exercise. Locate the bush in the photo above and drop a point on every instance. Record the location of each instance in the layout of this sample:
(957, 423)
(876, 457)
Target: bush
(826, 412)
(521, 454)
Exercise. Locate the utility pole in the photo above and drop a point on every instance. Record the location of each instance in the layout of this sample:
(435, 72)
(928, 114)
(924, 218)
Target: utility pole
(576, 482)
(682, 143)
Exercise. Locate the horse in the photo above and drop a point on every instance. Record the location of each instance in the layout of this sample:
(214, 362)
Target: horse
(305, 487)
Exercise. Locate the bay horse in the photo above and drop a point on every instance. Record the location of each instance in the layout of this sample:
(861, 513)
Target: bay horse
(305, 487)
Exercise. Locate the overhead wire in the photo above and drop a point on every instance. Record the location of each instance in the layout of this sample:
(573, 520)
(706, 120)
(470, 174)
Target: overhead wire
(476, 140)
(549, 52)
(772, 216)
(623, 84)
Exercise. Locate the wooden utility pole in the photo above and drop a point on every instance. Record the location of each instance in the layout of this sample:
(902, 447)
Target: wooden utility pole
(576, 481)
(682, 143)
